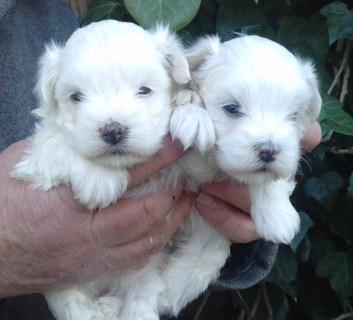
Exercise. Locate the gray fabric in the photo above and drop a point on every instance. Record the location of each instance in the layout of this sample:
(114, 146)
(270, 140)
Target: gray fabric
(23, 31)
(5, 5)
(24, 28)
(247, 265)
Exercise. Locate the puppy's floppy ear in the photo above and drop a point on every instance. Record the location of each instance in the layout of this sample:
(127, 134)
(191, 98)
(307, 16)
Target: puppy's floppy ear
(47, 77)
(198, 53)
(172, 51)
(314, 108)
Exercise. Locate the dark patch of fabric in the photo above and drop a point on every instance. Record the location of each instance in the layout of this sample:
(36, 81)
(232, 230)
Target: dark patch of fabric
(24, 30)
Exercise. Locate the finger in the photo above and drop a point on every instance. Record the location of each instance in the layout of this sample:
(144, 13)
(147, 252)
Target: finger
(233, 224)
(312, 137)
(232, 192)
(171, 152)
(143, 248)
(14, 153)
(158, 238)
(178, 216)
(130, 219)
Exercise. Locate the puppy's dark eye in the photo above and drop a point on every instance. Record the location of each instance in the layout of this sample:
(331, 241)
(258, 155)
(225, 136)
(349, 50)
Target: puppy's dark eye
(143, 91)
(293, 116)
(77, 97)
(233, 110)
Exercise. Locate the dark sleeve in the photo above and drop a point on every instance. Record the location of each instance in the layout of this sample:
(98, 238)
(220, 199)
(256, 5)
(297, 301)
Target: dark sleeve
(247, 265)
(25, 27)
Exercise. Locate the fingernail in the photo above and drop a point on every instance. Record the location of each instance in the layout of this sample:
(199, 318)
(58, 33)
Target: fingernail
(206, 200)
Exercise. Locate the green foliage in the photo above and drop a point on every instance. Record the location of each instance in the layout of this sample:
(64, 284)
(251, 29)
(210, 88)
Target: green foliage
(313, 277)
(339, 21)
(305, 225)
(105, 9)
(338, 267)
(175, 13)
(334, 118)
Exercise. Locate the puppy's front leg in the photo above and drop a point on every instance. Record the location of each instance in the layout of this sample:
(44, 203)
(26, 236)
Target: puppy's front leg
(75, 303)
(275, 217)
(98, 187)
(190, 122)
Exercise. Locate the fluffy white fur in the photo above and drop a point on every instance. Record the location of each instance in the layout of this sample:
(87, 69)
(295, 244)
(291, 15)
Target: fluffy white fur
(277, 97)
(104, 65)
(95, 82)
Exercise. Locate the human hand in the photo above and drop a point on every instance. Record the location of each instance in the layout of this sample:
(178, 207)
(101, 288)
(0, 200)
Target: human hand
(47, 239)
(226, 205)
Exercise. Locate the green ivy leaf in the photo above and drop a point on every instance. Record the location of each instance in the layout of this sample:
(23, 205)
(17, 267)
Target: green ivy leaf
(338, 267)
(305, 224)
(350, 190)
(339, 21)
(176, 14)
(321, 244)
(202, 24)
(318, 303)
(334, 118)
(284, 271)
(308, 37)
(324, 189)
(340, 219)
(304, 250)
(236, 14)
(105, 9)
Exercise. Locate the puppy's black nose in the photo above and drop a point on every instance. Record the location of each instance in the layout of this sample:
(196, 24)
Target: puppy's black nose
(267, 152)
(113, 132)
(266, 156)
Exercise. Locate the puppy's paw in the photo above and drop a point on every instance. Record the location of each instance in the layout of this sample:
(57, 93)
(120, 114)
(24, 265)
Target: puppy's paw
(185, 97)
(278, 224)
(191, 124)
(110, 306)
(73, 304)
(99, 188)
(138, 313)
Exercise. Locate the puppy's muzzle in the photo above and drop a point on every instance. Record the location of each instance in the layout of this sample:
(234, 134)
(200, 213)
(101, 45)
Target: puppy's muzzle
(113, 133)
(267, 151)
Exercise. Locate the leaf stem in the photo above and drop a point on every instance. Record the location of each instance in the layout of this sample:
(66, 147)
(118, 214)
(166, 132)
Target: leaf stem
(344, 316)
(243, 303)
(345, 59)
(202, 306)
(335, 150)
(267, 303)
(257, 302)
(345, 83)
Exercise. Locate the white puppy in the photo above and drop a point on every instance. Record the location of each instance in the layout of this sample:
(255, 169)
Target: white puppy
(260, 99)
(105, 104)
(257, 101)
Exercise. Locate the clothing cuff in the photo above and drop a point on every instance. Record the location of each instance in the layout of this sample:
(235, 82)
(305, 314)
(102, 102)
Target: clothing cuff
(247, 265)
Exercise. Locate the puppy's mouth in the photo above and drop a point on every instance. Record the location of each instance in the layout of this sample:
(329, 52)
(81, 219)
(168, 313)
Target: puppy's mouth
(118, 150)
(267, 170)
(263, 169)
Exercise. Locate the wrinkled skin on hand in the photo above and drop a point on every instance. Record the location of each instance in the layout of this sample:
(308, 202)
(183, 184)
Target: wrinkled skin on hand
(48, 239)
